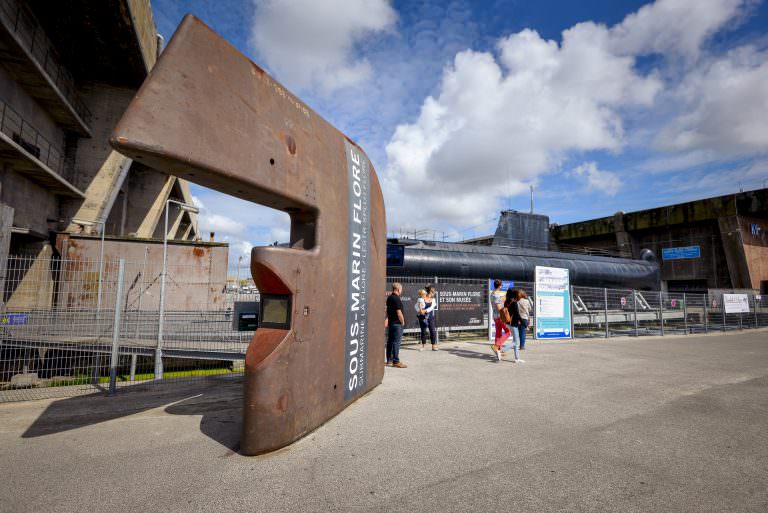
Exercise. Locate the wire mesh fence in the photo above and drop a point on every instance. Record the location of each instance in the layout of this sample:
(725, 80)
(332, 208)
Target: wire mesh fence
(73, 326)
(79, 326)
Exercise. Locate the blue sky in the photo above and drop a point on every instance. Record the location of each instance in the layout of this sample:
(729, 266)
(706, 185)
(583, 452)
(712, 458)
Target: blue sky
(600, 105)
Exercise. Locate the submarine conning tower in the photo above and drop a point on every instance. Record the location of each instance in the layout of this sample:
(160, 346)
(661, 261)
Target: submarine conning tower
(521, 243)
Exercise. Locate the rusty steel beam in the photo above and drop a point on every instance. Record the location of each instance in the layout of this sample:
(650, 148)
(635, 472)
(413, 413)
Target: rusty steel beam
(208, 114)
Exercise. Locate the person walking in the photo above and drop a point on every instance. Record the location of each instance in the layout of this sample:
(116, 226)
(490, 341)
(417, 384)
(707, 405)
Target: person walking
(394, 324)
(421, 315)
(524, 307)
(502, 330)
(430, 303)
(510, 304)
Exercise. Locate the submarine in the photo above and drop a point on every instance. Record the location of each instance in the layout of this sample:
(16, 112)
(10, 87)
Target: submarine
(409, 257)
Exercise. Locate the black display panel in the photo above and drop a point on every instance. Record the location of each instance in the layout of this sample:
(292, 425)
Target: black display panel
(275, 311)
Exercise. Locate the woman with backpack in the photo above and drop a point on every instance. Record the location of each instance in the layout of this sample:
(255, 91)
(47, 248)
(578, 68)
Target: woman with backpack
(510, 304)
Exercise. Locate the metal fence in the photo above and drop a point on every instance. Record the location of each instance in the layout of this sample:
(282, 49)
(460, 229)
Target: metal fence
(79, 326)
(599, 312)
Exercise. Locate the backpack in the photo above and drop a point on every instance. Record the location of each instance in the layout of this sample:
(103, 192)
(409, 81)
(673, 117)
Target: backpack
(505, 316)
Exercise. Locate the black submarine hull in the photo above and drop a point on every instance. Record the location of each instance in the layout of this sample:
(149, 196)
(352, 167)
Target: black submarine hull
(483, 262)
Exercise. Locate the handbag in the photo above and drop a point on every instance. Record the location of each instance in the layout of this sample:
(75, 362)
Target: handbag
(505, 316)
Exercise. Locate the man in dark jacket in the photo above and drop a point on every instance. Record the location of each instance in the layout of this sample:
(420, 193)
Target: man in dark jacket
(394, 323)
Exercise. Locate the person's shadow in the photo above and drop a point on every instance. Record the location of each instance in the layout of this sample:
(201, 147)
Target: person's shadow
(218, 400)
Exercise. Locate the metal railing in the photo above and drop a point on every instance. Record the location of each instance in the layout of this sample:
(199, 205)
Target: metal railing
(28, 137)
(32, 37)
(57, 338)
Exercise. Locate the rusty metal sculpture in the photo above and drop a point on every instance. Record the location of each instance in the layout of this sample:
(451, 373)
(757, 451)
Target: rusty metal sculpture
(208, 114)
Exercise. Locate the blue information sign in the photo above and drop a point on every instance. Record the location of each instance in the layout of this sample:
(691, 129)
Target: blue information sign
(13, 319)
(681, 253)
(553, 303)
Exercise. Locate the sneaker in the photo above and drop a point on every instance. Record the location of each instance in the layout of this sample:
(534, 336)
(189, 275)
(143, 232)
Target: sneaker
(519, 360)
(400, 365)
(388, 362)
(494, 350)
(421, 347)
(435, 347)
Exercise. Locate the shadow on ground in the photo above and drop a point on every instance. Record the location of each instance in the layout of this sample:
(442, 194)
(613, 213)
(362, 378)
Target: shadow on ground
(218, 400)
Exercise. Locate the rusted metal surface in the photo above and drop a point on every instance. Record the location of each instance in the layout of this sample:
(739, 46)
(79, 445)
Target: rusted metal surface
(208, 114)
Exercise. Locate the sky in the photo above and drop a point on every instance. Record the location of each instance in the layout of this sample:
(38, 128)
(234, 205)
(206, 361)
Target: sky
(462, 106)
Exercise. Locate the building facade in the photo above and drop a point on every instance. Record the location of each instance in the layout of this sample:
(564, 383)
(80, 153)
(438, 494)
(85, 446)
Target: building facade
(68, 71)
(713, 243)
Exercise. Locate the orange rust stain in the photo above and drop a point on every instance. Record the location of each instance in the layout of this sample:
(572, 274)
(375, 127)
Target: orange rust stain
(198, 252)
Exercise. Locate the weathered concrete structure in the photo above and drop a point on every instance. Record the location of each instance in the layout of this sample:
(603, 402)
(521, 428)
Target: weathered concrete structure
(714, 243)
(68, 71)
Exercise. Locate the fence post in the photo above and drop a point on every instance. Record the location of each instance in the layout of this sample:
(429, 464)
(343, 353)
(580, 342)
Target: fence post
(706, 314)
(661, 311)
(437, 317)
(754, 302)
(685, 314)
(133, 366)
(722, 306)
(116, 328)
(573, 332)
(605, 296)
(634, 304)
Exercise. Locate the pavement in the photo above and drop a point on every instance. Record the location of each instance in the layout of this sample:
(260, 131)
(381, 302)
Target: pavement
(621, 425)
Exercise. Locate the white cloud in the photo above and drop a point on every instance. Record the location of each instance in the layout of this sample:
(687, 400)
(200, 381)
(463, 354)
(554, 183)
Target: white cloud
(724, 104)
(310, 43)
(500, 121)
(222, 225)
(597, 180)
(498, 124)
(674, 27)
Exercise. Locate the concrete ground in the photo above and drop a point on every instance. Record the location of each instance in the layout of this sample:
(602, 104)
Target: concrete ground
(624, 425)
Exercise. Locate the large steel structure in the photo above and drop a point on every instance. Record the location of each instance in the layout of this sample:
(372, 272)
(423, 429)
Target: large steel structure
(208, 114)
(469, 261)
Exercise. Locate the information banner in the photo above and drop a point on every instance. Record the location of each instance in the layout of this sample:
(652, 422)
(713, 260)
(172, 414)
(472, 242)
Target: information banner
(459, 304)
(553, 303)
(505, 286)
(736, 303)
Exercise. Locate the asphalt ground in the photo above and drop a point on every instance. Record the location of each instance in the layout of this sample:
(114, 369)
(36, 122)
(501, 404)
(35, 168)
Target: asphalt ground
(622, 425)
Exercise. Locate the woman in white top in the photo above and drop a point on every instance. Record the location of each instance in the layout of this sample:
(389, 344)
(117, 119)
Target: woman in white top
(430, 303)
(421, 315)
(524, 307)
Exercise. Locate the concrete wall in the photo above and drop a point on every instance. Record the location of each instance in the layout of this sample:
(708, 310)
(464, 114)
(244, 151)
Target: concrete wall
(197, 273)
(107, 103)
(754, 234)
(33, 204)
(12, 93)
(146, 32)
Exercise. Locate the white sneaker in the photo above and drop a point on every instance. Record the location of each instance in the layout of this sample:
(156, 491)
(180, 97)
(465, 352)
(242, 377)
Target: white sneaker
(519, 361)
(421, 347)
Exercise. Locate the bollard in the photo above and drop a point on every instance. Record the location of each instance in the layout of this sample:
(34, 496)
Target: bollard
(685, 314)
(116, 328)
